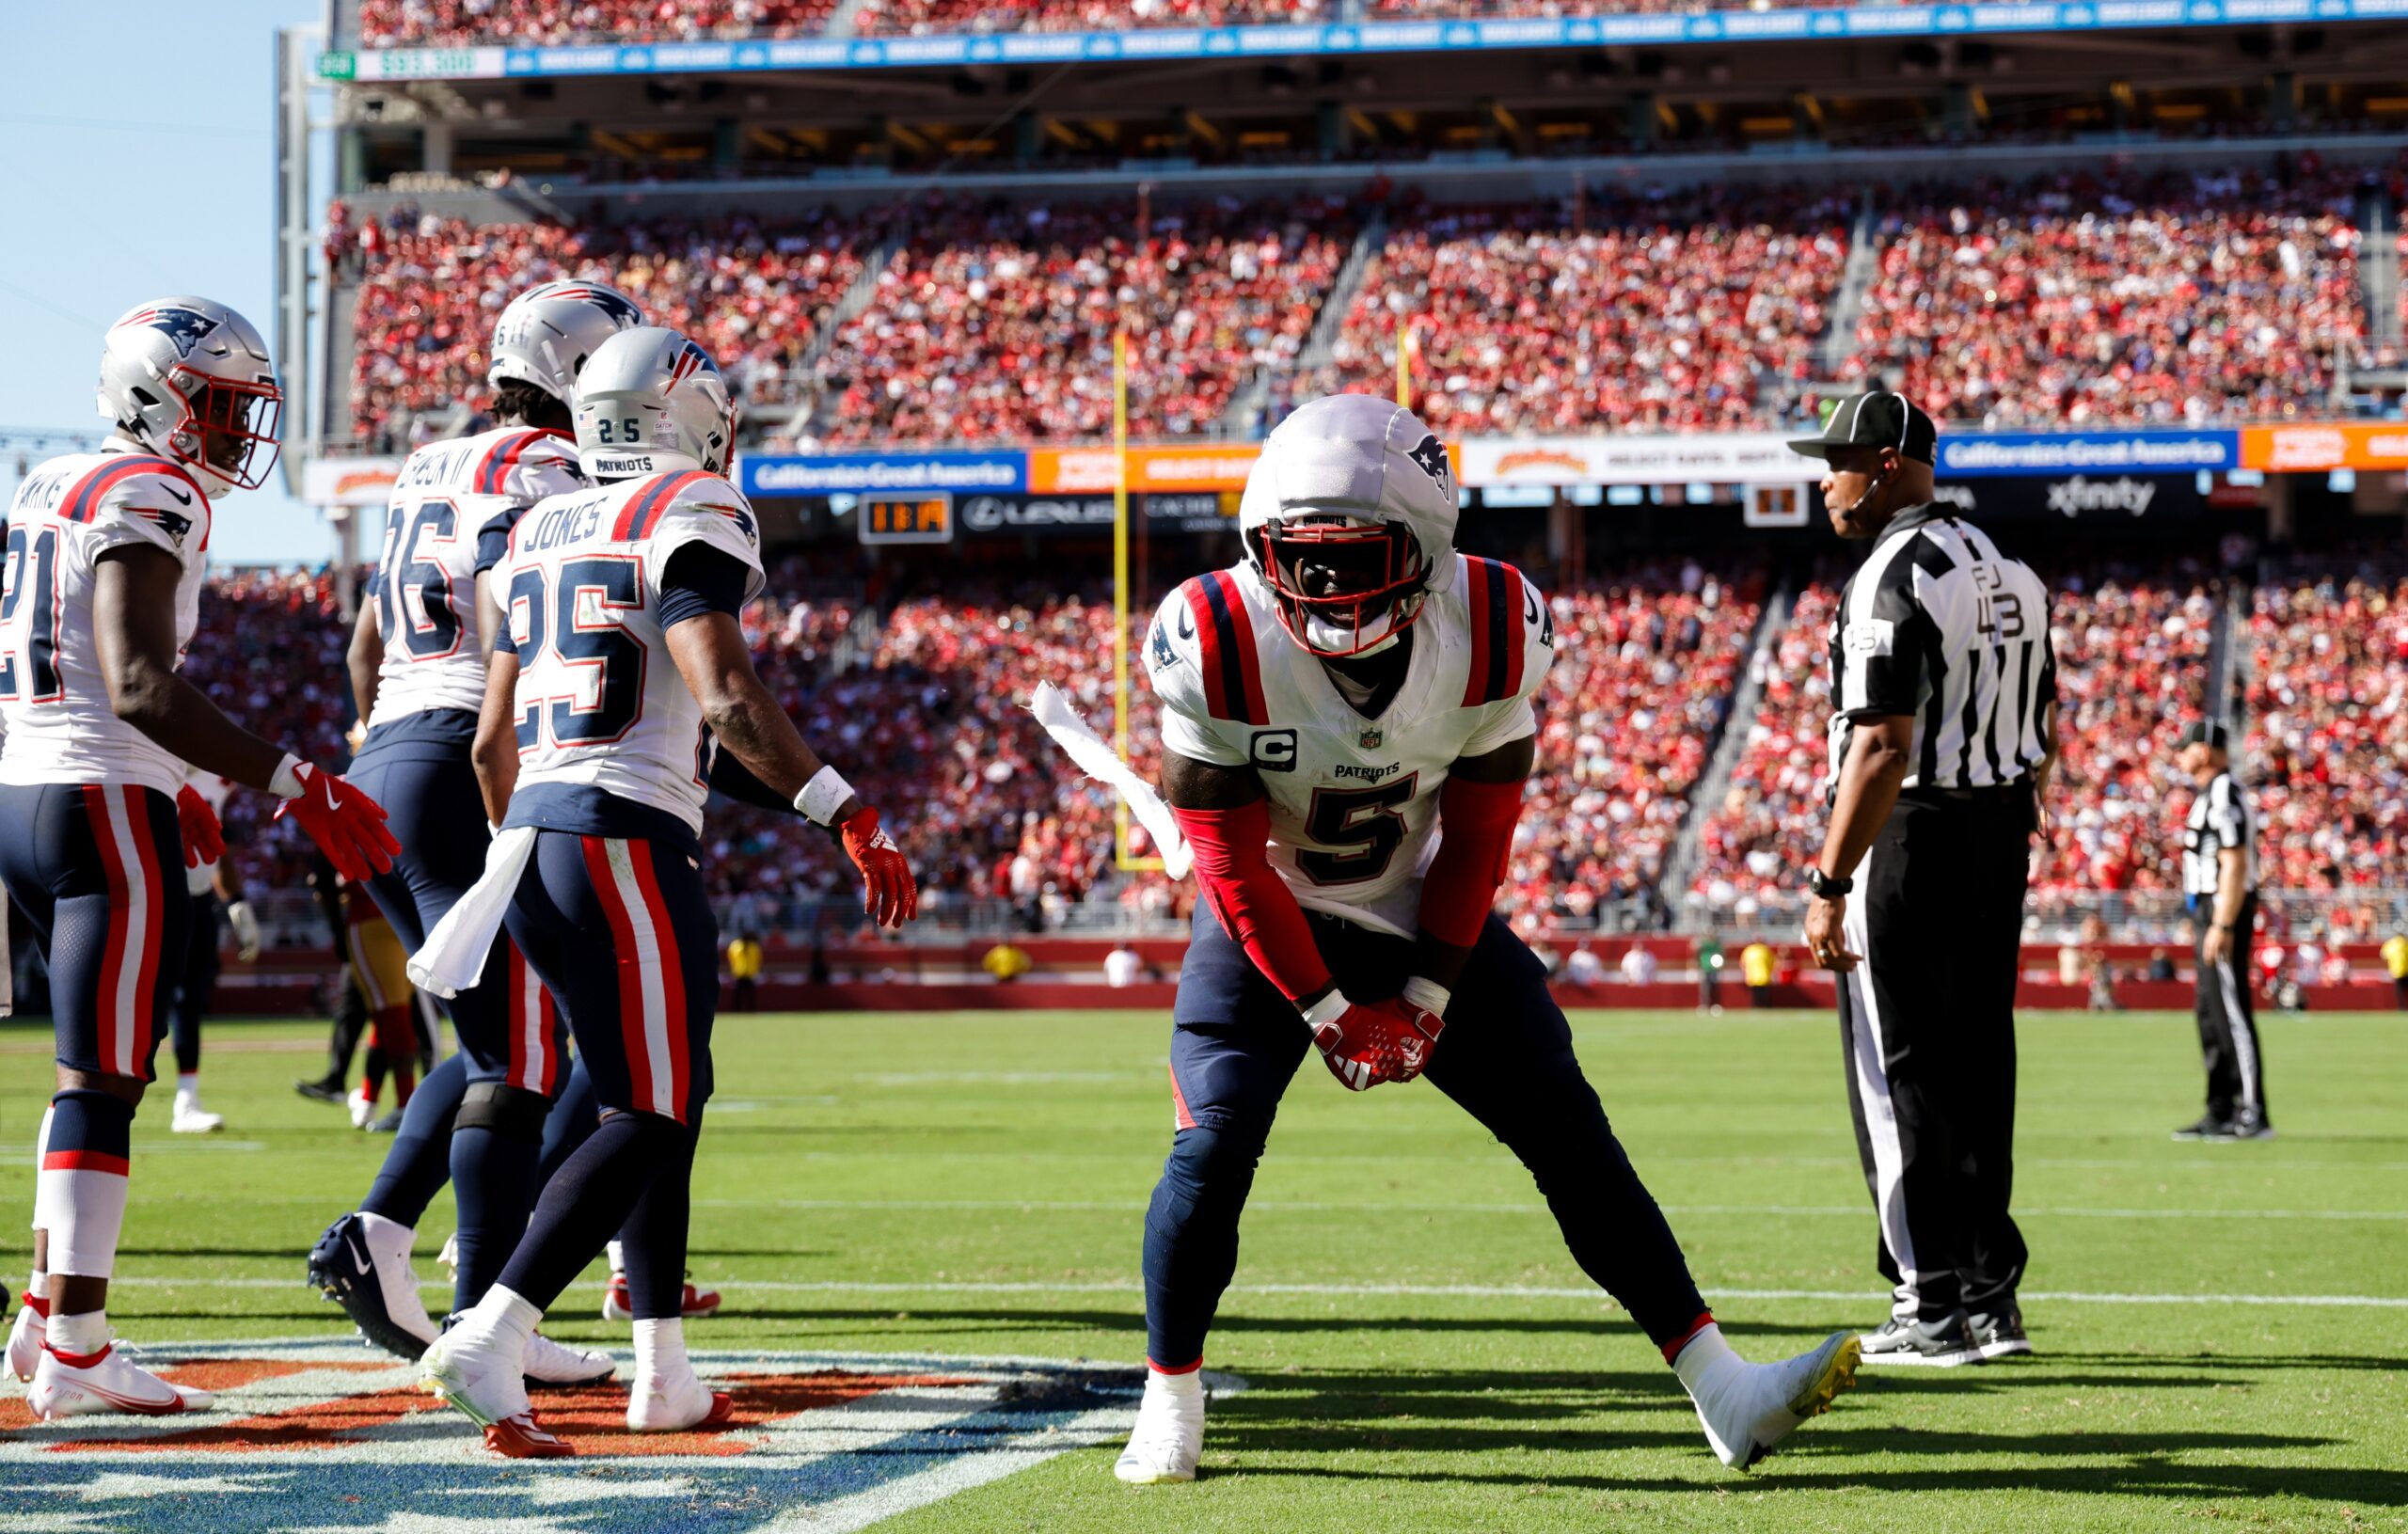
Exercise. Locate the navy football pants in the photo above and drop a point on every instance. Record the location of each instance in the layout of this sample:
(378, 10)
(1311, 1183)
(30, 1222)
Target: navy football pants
(99, 872)
(1505, 1057)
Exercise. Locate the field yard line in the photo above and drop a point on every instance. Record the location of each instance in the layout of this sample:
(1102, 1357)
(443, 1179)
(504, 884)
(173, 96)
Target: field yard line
(1308, 1206)
(1407, 1291)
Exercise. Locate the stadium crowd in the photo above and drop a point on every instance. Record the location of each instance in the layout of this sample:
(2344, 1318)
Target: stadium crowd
(2327, 747)
(2090, 299)
(1695, 311)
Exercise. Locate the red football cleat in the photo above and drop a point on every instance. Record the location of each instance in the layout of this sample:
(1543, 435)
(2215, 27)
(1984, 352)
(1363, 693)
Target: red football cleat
(522, 1437)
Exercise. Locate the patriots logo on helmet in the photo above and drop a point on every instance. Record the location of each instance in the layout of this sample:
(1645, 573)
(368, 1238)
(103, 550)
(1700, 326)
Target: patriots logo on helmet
(1432, 456)
(614, 304)
(690, 360)
(186, 327)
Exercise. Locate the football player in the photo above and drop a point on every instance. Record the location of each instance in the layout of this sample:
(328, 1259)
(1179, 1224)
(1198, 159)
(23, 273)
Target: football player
(1331, 702)
(211, 885)
(623, 667)
(106, 555)
(418, 670)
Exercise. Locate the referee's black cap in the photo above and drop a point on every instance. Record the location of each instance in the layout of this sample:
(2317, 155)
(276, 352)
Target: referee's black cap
(1875, 420)
(2207, 733)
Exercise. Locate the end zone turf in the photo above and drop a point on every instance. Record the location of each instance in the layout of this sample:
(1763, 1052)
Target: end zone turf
(2221, 1328)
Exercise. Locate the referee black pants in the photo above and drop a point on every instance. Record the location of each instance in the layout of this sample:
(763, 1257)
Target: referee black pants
(1927, 1026)
(2227, 1017)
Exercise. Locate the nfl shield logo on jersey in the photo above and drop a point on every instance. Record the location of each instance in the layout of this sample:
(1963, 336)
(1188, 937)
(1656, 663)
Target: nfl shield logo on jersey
(1371, 737)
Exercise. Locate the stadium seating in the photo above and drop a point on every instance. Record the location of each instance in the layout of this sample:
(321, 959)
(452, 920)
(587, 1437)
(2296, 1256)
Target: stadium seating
(888, 18)
(402, 24)
(429, 289)
(2116, 299)
(1696, 312)
(2327, 748)
(996, 321)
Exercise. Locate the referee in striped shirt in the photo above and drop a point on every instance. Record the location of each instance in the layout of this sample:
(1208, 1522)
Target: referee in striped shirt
(1942, 733)
(2220, 885)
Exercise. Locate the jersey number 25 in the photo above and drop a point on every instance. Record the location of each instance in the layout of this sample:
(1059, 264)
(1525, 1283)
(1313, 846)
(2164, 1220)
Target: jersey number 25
(593, 690)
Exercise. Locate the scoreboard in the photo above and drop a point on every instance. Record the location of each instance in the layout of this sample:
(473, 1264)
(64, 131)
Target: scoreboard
(922, 516)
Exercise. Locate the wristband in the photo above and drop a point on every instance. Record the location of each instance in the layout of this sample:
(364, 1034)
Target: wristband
(287, 781)
(823, 796)
(1328, 1010)
(1428, 994)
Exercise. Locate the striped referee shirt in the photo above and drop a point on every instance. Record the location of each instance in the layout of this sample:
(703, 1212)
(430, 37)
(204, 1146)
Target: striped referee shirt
(2220, 818)
(1939, 625)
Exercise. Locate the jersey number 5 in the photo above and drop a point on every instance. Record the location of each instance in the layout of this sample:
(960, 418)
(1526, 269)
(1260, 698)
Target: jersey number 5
(1361, 820)
(595, 690)
(29, 649)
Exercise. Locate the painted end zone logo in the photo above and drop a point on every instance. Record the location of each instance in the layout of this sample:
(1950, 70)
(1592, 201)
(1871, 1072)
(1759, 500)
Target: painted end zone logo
(324, 1435)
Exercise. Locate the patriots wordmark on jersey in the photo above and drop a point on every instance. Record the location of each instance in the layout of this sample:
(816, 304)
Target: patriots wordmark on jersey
(449, 516)
(1353, 799)
(602, 711)
(66, 514)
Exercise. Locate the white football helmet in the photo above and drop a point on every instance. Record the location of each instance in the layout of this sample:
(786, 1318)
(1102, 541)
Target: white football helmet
(650, 400)
(547, 335)
(1349, 516)
(190, 380)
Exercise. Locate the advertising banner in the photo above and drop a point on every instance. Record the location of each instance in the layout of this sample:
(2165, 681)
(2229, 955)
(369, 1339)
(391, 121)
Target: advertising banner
(1971, 454)
(1014, 514)
(1737, 458)
(2315, 449)
(2085, 498)
(349, 482)
(1220, 466)
(960, 471)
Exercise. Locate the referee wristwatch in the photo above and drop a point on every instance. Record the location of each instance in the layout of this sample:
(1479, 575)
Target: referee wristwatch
(1823, 886)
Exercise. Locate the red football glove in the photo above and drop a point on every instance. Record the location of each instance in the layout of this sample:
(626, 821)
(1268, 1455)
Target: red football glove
(892, 896)
(1366, 1045)
(347, 825)
(204, 840)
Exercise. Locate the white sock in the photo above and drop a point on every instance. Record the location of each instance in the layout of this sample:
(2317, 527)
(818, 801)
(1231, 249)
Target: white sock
(1185, 1382)
(388, 1241)
(78, 1336)
(87, 1208)
(660, 1349)
(618, 1250)
(188, 1087)
(37, 1292)
(501, 1318)
(1706, 1354)
(41, 1148)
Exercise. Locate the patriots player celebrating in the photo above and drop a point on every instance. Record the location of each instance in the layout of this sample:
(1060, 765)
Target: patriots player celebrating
(623, 669)
(1329, 704)
(417, 667)
(106, 555)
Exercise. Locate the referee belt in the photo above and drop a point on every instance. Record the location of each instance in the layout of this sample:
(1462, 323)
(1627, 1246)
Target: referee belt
(1996, 795)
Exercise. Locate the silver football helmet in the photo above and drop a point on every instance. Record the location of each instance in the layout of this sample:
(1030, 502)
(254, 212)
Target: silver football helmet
(190, 380)
(548, 335)
(651, 400)
(1349, 516)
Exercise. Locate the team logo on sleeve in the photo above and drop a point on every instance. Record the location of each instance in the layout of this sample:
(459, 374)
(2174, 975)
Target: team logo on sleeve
(1163, 657)
(172, 524)
(186, 327)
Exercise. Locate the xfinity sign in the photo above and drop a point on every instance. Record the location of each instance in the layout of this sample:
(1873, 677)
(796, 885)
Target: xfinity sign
(2074, 497)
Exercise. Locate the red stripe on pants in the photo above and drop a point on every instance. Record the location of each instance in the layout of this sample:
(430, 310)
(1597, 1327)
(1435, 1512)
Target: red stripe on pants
(111, 988)
(630, 969)
(673, 972)
(137, 816)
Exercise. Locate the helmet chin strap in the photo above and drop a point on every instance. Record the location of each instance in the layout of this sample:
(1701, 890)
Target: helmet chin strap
(1328, 635)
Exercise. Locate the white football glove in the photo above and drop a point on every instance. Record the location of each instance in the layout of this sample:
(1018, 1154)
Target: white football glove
(245, 922)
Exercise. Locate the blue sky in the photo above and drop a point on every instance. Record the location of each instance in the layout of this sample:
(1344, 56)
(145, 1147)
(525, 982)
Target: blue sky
(141, 163)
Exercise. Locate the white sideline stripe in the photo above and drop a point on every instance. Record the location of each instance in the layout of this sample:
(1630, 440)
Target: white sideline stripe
(1406, 1291)
(1309, 1206)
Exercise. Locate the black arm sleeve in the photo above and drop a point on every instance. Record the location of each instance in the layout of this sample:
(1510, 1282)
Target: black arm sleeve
(701, 579)
(733, 779)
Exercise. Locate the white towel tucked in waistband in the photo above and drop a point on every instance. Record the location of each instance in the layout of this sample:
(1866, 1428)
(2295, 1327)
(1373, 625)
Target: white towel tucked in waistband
(453, 957)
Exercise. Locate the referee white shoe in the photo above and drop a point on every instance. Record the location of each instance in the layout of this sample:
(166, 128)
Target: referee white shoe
(1747, 1409)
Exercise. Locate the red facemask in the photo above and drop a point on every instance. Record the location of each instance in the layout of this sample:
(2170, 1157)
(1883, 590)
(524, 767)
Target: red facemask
(1342, 578)
(237, 427)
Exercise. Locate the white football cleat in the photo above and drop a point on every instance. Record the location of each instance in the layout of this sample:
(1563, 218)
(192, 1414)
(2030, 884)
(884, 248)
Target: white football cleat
(1747, 1408)
(674, 1401)
(192, 1118)
(549, 1363)
(25, 1341)
(363, 1108)
(487, 1385)
(106, 1380)
(1169, 1435)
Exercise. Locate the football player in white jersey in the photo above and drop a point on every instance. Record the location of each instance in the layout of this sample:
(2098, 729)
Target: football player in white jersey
(106, 555)
(623, 667)
(1347, 724)
(211, 885)
(417, 671)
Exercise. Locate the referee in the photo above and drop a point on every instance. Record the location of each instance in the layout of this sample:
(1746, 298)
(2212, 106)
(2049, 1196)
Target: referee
(2220, 886)
(1942, 733)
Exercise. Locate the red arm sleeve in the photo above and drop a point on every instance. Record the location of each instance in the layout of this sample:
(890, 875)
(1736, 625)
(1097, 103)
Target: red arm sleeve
(1255, 908)
(1476, 832)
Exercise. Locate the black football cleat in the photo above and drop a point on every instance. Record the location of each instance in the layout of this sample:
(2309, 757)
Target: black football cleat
(2208, 1128)
(325, 1089)
(1999, 1334)
(384, 1304)
(1934, 1344)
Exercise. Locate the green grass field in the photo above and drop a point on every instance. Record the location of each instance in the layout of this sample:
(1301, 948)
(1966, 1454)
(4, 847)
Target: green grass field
(1420, 1352)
